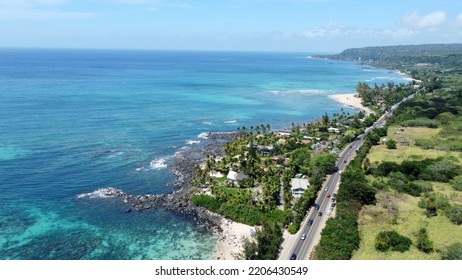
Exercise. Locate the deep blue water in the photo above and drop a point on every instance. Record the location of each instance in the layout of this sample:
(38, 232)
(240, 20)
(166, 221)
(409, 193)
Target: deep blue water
(73, 121)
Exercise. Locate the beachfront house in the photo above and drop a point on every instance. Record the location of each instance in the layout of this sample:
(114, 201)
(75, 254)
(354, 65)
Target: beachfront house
(298, 186)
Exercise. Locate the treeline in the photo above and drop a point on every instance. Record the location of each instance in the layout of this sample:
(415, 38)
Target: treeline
(240, 212)
(387, 95)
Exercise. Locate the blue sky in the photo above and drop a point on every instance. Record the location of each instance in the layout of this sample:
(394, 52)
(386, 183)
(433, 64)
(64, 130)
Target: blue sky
(252, 25)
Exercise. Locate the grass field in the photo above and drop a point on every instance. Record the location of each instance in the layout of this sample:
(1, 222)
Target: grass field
(376, 218)
(412, 152)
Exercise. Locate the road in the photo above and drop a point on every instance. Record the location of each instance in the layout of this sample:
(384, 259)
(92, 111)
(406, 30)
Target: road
(303, 248)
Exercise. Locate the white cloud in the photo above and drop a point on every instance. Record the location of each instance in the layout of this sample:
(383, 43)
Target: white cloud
(430, 21)
(459, 19)
(36, 10)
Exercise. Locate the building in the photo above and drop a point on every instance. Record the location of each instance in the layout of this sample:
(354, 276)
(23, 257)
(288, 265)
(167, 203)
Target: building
(235, 176)
(298, 186)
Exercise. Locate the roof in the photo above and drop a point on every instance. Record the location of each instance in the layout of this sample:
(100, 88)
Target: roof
(235, 176)
(297, 183)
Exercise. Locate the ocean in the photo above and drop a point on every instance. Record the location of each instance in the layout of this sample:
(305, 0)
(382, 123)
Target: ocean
(73, 121)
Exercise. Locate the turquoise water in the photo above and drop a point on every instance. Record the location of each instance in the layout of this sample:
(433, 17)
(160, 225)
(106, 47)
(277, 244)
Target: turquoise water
(73, 121)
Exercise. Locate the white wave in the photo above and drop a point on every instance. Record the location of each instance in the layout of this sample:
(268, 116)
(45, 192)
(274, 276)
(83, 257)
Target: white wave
(158, 163)
(299, 91)
(231, 121)
(103, 193)
(207, 123)
(204, 135)
(192, 142)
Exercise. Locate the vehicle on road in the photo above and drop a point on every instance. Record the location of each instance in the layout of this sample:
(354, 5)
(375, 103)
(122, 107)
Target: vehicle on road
(320, 214)
(334, 195)
(303, 236)
(310, 222)
(333, 199)
(316, 206)
(328, 212)
(326, 189)
(328, 195)
(293, 257)
(333, 204)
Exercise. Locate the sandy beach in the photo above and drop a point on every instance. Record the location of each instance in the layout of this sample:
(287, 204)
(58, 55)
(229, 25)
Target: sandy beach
(351, 99)
(230, 240)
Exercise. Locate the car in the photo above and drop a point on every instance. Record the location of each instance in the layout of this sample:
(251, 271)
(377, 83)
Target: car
(344, 161)
(331, 209)
(320, 213)
(333, 204)
(328, 212)
(310, 222)
(334, 195)
(303, 236)
(293, 257)
(316, 206)
(328, 195)
(326, 189)
(335, 169)
(340, 172)
(333, 199)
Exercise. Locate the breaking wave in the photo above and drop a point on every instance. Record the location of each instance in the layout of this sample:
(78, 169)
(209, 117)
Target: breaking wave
(103, 193)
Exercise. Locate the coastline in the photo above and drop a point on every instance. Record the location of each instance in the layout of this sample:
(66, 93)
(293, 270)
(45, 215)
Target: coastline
(351, 100)
(230, 237)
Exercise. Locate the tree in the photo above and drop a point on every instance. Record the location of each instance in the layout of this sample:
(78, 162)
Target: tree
(391, 240)
(391, 144)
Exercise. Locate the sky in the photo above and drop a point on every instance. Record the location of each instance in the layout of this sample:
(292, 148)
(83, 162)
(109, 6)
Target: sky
(319, 26)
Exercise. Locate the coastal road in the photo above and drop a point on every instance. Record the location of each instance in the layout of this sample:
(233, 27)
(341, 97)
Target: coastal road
(293, 245)
(302, 248)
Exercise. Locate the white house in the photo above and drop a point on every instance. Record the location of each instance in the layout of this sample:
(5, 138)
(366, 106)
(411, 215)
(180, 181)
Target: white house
(298, 186)
(235, 176)
(333, 130)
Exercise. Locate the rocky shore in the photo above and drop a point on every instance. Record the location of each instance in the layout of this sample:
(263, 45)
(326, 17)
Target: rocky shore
(178, 201)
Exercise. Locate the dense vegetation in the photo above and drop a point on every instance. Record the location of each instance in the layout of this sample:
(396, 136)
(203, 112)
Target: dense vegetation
(436, 104)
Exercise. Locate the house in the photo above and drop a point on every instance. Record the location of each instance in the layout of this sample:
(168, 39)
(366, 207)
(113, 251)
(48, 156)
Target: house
(284, 133)
(333, 130)
(235, 176)
(298, 186)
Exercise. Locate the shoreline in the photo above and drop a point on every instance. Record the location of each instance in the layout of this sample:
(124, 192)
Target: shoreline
(351, 100)
(229, 242)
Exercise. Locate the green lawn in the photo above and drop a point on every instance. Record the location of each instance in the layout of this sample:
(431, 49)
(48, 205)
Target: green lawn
(412, 152)
(376, 218)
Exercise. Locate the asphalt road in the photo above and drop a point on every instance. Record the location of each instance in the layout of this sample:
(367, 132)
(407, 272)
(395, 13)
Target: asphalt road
(302, 248)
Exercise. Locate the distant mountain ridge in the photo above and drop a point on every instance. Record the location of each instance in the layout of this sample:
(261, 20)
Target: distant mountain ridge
(395, 57)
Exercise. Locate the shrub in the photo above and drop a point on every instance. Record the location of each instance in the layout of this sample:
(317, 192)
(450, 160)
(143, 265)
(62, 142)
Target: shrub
(456, 183)
(424, 244)
(391, 240)
(452, 252)
(454, 213)
(391, 144)
(206, 201)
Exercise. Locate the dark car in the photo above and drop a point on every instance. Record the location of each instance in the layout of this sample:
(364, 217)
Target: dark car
(293, 257)
(334, 195)
(316, 206)
(333, 199)
(333, 204)
(310, 222)
(320, 214)
(335, 169)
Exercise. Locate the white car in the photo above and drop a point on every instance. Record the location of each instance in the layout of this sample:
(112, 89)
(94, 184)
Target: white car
(328, 212)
